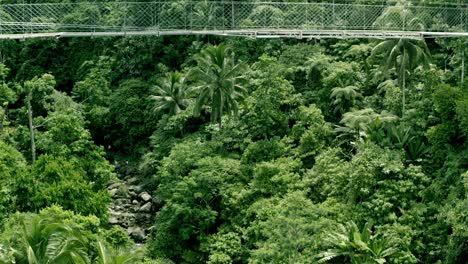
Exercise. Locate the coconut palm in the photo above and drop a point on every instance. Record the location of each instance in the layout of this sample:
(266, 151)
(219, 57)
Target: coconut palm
(219, 81)
(170, 94)
(357, 246)
(44, 240)
(110, 255)
(402, 54)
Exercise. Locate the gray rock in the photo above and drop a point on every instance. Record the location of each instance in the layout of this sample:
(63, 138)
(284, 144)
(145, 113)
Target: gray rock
(117, 209)
(113, 220)
(137, 233)
(132, 180)
(144, 217)
(113, 192)
(145, 196)
(114, 186)
(134, 202)
(146, 207)
(121, 201)
(135, 188)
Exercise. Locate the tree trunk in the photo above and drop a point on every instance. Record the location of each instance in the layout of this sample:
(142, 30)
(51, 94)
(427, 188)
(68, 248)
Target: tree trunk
(31, 128)
(403, 98)
(463, 68)
(403, 83)
(221, 109)
(2, 117)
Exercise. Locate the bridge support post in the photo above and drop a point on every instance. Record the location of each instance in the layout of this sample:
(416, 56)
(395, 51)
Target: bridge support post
(1, 15)
(333, 16)
(158, 20)
(233, 26)
(191, 16)
(95, 18)
(125, 19)
(464, 18)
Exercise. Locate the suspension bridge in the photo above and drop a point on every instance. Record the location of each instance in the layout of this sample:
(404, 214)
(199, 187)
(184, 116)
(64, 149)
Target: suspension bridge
(330, 19)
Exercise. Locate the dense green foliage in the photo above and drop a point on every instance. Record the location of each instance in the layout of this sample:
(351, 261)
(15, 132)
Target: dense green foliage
(255, 151)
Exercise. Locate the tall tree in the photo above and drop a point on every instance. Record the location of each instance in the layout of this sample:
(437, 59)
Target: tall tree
(402, 54)
(170, 93)
(220, 81)
(7, 95)
(39, 89)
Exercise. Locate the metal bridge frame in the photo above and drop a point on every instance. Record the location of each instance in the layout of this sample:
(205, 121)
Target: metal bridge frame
(297, 34)
(225, 18)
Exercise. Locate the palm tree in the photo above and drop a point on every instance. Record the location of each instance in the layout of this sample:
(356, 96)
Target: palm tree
(402, 54)
(171, 94)
(109, 255)
(356, 123)
(220, 81)
(345, 98)
(45, 240)
(358, 246)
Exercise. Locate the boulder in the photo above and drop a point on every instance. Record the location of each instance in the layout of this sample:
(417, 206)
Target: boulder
(121, 201)
(146, 207)
(114, 186)
(113, 192)
(117, 209)
(113, 220)
(145, 196)
(137, 233)
(135, 188)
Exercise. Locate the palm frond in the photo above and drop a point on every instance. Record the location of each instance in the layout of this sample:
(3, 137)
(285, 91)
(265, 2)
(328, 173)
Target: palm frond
(219, 81)
(328, 255)
(32, 259)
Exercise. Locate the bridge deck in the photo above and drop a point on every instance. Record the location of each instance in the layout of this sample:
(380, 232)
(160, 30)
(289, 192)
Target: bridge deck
(253, 19)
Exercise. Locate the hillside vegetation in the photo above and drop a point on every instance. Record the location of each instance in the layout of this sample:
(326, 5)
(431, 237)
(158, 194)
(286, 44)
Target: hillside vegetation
(253, 151)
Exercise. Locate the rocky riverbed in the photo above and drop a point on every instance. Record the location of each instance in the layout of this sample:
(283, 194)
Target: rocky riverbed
(131, 207)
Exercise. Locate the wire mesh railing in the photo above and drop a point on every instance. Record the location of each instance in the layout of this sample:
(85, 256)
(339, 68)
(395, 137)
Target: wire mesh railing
(186, 16)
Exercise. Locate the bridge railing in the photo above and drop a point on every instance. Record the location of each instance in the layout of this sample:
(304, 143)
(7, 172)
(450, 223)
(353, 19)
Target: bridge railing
(225, 15)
